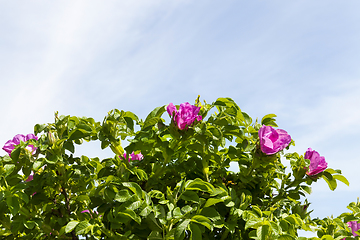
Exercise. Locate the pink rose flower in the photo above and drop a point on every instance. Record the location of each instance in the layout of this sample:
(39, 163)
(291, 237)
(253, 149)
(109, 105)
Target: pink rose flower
(354, 226)
(273, 140)
(10, 145)
(317, 162)
(185, 116)
(134, 156)
(30, 178)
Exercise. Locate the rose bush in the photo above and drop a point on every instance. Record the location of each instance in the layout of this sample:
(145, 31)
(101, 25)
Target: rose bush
(179, 187)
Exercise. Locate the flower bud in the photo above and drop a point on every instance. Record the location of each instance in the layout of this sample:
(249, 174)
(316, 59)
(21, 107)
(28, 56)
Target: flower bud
(52, 137)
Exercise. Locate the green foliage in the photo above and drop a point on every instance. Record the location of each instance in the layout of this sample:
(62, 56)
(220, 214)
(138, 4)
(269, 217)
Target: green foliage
(182, 189)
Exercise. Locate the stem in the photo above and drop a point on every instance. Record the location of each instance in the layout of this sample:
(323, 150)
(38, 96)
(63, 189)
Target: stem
(7, 186)
(67, 204)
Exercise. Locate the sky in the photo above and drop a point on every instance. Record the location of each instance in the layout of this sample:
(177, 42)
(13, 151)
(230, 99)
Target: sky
(297, 59)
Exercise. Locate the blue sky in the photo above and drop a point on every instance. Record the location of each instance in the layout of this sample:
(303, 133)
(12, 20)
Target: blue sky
(297, 59)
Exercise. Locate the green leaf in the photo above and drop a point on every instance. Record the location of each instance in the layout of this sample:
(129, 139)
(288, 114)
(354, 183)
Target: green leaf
(267, 116)
(262, 232)
(134, 187)
(24, 197)
(190, 196)
(180, 229)
(29, 224)
(327, 237)
(15, 154)
(195, 232)
(330, 170)
(203, 221)
(306, 189)
(131, 214)
(69, 145)
(146, 211)
(83, 227)
(253, 223)
(330, 181)
(269, 120)
(210, 213)
(37, 164)
(275, 228)
(13, 204)
(82, 198)
(71, 225)
(38, 128)
(257, 210)
(141, 174)
(199, 184)
(341, 178)
(122, 196)
(154, 117)
(286, 237)
(9, 168)
(212, 201)
(155, 235)
(226, 102)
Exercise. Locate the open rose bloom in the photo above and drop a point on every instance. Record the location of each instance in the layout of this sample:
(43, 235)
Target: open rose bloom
(317, 162)
(10, 145)
(134, 156)
(273, 140)
(185, 116)
(354, 226)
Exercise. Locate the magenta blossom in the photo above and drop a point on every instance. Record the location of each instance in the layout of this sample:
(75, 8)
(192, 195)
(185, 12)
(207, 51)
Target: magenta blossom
(10, 145)
(185, 116)
(317, 162)
(30, 178)
(355, 226)
(273, 140)
(88, 211)
(134, 156)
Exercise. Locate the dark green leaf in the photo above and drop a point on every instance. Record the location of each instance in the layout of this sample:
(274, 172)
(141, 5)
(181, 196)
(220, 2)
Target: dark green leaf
(195, 232)
(203, 221)
(180, 229)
